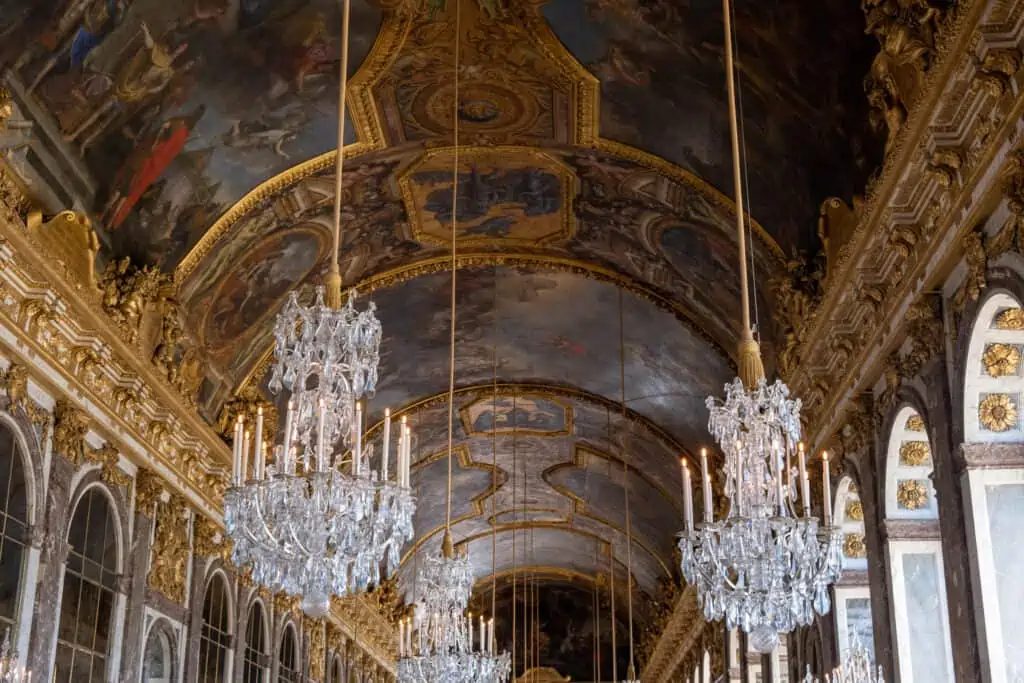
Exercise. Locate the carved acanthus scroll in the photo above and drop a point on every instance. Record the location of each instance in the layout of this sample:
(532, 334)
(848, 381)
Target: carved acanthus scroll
(168, 570)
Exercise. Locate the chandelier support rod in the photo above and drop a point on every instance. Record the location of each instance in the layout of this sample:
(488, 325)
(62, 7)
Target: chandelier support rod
(333, 279)
(751, 369)
(455, 219)
(625, 485)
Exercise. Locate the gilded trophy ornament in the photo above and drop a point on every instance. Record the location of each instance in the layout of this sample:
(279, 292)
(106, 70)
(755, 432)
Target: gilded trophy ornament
(149, 488)
(209, 540)
(912, 494)
(1001, 360)
(915, 453)
(998, 412)
(854, 546)
(69, 429)
(126, 291)
(317, 650)
(108, 457)
(1010, 319)
(167, 573)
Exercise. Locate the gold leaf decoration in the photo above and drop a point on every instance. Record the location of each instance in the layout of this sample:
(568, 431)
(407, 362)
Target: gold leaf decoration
(915, 423)
(209, 540)
(1010, 319)
(997, 412)
(1001, 360)
(855, 510)
(915, 453)
(912, 494)
(854, 546)
(170, 550)
(107, 456)
(69, 429)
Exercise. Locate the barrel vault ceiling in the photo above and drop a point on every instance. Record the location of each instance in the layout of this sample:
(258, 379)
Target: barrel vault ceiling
(594, 181)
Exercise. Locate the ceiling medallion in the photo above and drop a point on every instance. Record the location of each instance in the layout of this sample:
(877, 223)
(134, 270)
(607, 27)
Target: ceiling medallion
(1001, 360)
(997, 413)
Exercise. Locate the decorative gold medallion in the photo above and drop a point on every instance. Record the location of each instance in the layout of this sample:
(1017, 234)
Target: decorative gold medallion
(1010, 319)
(998, 412)
(1001, 360)
(915, 423)
(915, 453)
(912, 494)
(854, 510)
(854, 546)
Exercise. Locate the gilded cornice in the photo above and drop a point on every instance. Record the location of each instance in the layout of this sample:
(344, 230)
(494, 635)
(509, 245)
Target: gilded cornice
(61, 324)
(913, 225)
(680, 636)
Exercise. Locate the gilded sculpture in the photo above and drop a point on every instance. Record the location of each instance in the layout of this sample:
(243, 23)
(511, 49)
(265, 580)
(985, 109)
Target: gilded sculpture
(976, 278)
(126, 292)
(1001, 360)
(149, 488)
(915, 453)
(108, 457)
(209, 539)
(912, 494)
(854, 510)
(854, 546)
(998, 412)
(915, 423)
(70, 425)
(997, 69)
(317, 651)
(168, 569)
(1010, 319)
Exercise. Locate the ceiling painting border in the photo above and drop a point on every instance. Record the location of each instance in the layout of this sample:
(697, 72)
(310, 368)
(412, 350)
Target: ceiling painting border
(508, 390)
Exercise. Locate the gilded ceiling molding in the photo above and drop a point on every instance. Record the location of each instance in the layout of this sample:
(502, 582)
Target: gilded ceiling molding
(440, 264)
(910, 231)
(680, 636)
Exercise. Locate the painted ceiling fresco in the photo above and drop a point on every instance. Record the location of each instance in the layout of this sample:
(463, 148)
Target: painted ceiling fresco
(593, 171)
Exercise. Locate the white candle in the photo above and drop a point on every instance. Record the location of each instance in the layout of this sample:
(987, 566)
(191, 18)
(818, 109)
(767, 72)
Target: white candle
(245, 456)
(236, 453)
(261, 461)
(407, 460)
(781, 499)
(483, 633)
(386, 451)
(258, 451)
(687, 497)
(490, 636)
(706, 481)
(357, 448)
(826, 482)
(805, 487)
(321, 449)
(401, 638)
(288, 429)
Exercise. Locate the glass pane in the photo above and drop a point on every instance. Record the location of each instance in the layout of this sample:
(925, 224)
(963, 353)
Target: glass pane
(1006, 525)
(926, 617)
(88, 613)
(69, 607)
(858, 625)
(81, 670)
(154, 666)
(10, 577)
(62, 664)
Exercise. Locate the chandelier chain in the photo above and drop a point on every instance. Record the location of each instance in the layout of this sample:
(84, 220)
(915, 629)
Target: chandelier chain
(335, 268)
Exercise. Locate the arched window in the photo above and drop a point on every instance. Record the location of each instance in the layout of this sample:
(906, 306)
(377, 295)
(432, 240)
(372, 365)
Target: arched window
(994, 385)
(915, 554)
(853, 594)
(256, 660)
(13, 526)
(156, 662)
(88, 597)
(215, 636)
(288, 660)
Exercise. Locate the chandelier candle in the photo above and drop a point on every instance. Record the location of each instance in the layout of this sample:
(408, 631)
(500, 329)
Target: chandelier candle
(706, 482)
(687, 497)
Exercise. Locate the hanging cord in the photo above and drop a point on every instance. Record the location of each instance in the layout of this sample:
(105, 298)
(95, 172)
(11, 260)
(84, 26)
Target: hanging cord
(631, 672)
(494, 455)
(746, 189)
(333, 279)
(597, 612)
(611, 553)
(515, 556)
(448, 548)
(751, 369)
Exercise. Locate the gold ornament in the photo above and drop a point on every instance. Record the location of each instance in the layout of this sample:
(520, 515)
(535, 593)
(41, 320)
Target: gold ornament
(1001, 360)
(912, 494)
(855, 510)
(285, 604)
(915, 423)
(997, 413)
(107, 456)
(209, 540)
(854, 546)
(915, 453)
(170, 550)
(1010, 319)
(149, 487)
(69, 430)
(317, 654)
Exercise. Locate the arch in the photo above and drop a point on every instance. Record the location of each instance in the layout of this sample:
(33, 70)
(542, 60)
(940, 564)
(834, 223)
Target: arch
(88, 604)
(31, 461)
(256, 658)
(216, 629)
(159, 659)
(16, 516)
(288, 669)
(916, 577)
(993, 373)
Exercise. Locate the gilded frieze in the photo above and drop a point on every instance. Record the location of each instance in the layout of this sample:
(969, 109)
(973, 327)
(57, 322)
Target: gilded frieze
(1001, 360)
(998, 412)
(912, 494)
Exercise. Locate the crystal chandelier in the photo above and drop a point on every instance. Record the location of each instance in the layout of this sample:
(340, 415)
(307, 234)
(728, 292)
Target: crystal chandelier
(10, 671)
(313, 522)
(857, 668)
(764, 568)
(441, 642)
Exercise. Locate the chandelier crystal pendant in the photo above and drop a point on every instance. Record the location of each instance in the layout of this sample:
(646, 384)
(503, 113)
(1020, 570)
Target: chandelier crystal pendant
(764, 568)
(441, 642)
(10, 670)
(316, 523)
(856, 668)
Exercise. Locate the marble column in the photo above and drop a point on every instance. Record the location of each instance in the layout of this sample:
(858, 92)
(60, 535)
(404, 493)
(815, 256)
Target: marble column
(194, 617)
(50, 580)
(137, 568)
